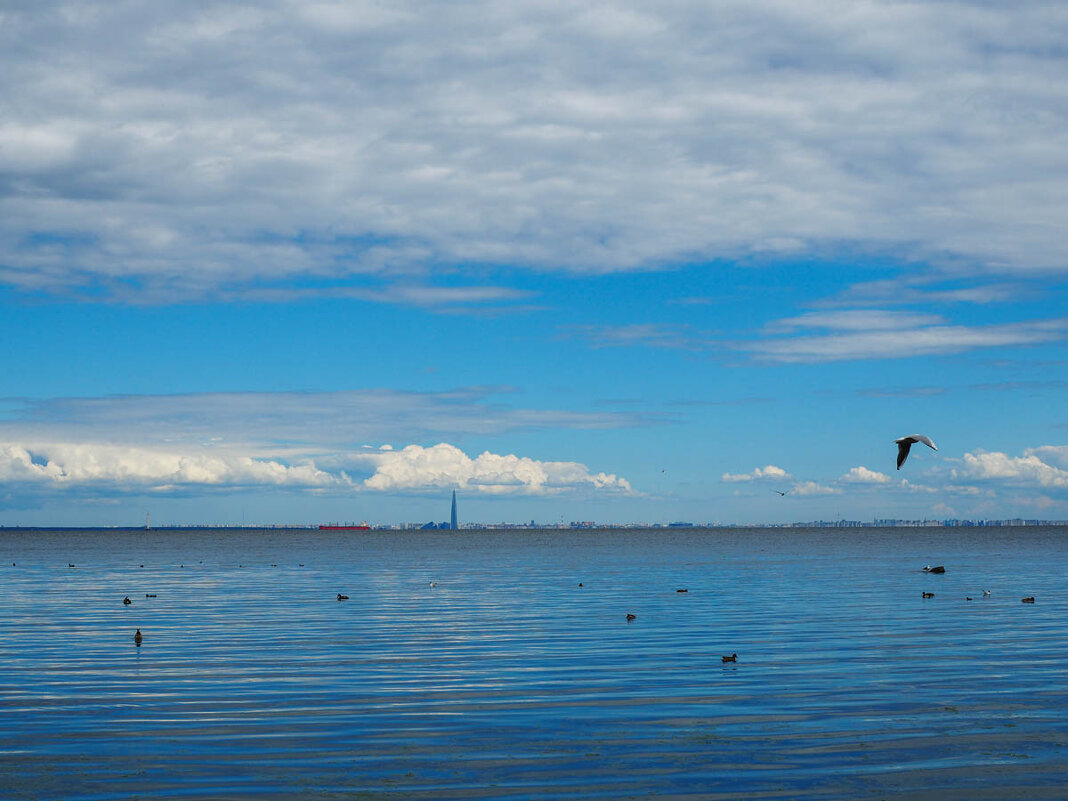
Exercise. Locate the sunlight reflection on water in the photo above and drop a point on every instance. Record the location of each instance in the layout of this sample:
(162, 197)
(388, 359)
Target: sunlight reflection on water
(509, 680)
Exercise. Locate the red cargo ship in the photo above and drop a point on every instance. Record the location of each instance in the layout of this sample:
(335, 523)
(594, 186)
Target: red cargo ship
(344, 527)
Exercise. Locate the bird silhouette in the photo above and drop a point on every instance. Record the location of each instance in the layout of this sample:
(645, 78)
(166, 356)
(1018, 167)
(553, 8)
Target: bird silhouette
(904, 443)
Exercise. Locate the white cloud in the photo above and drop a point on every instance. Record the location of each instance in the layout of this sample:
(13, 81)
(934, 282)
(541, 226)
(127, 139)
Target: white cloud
(307, 422)
(1056, 455)
(165, 151)
(858, 320)
(813, 488)
(641, 334)
(444, 465)
(437, 298)
(117, 468)
(911, 291)
(1029, 468)
(769, 472)
(301, 440)
(842, 335)
(922, 488)
(862, 475)
(897, 335)
(968, 490)
(96, 463)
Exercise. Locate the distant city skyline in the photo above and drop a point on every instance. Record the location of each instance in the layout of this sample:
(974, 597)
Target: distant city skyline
(293, 263)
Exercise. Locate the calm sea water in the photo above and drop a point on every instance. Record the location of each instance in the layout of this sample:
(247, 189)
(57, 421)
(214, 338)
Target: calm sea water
(474, 665)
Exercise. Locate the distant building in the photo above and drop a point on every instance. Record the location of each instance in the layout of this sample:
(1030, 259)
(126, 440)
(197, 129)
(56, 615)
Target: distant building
(453, 525)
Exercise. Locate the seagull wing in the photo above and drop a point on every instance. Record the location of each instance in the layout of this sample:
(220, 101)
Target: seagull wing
(925, 440)
(903, 446)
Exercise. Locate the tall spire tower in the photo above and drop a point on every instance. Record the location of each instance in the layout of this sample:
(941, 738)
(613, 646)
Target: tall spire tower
(453, 522)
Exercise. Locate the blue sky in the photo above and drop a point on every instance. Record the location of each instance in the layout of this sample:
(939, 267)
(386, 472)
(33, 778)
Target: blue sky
(287, 262)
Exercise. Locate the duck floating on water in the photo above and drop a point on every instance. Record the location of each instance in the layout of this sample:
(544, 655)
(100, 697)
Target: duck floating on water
(731, 658)
(937, 569)
(630, 617)
(137, 637)
(1030, 599)
(341, 597)
(928, 595)
(127, 600)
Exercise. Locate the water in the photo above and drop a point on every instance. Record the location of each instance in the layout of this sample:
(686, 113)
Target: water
(509, 680)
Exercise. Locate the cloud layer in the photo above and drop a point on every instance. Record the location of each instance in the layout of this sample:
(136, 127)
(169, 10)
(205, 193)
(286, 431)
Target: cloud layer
(302, 441)
(1043, 467)
(444, 465)
(413, 468)
(138, 468)
(879, 334)
(862, 475)
(158, 152)
(769, 472)
(1037, 479)
(286, 422)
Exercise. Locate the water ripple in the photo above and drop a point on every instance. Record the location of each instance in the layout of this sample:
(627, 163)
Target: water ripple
(506, 679)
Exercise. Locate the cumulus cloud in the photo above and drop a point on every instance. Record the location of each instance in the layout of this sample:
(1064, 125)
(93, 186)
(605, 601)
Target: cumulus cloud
(1052, 454)
(444, 465)
(154, 152)
(1033, 467)
(299, 440)
(122, 468)
(920, 488)
(95, 463)
(769, 472)
(862, 475)
(131, 469)
(813, 488)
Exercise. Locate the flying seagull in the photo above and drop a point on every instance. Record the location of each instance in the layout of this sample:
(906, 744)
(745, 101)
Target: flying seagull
(905, 443)
(780, 491)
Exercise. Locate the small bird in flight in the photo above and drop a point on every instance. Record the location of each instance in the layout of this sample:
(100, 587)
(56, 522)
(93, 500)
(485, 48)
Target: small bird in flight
(905, 443)
(780, 491)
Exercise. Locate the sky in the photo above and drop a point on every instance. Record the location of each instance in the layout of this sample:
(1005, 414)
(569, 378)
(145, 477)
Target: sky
(290, 262)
